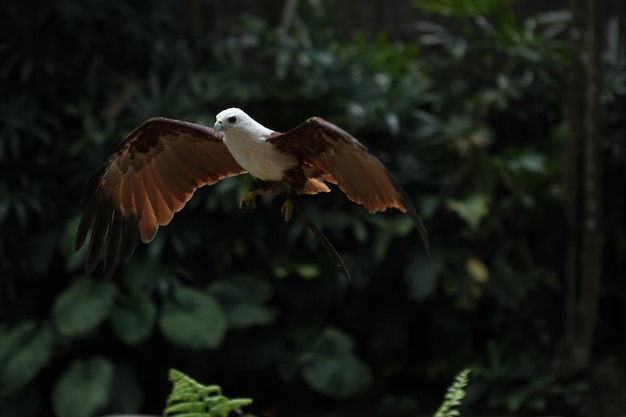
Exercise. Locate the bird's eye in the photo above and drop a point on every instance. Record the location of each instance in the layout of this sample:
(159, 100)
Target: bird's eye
(232, 119)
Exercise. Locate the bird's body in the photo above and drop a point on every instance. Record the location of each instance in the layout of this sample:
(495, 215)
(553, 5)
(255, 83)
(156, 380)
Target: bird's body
(259, 157)
(158, 166)
(249, 146)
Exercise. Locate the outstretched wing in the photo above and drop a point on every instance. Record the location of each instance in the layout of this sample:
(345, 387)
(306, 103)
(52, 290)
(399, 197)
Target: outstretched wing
(151, 175)
(358, 173)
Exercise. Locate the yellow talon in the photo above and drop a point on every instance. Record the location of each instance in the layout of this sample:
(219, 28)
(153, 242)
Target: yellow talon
(287, 209)
(248, 201)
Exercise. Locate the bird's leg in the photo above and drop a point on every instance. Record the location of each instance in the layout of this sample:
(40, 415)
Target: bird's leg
(287, 208)
(265, 188)
(248, 201)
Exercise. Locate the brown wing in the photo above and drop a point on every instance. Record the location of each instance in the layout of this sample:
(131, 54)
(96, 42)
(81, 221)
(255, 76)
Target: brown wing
(358, 173)
(152, 174)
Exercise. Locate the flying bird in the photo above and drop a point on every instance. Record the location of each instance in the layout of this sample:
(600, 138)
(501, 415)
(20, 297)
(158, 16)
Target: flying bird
(155, 170)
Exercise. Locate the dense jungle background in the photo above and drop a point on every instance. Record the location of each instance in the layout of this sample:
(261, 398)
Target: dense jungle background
(504, 120)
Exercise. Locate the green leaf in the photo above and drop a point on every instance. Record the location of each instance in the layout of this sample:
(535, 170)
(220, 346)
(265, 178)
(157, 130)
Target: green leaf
(333, 342)
(133, 318)
(142, 271)
(83, 306)
(24, 351)
(338, 377)
(331, 368)
(471, 209)
(242, 288)
(528, 161)
(84, 388)
(243, 298)
(193, 319)
(241, 316)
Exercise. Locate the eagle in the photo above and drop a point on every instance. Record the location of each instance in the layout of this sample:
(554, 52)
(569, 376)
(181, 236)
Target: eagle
(156, 169)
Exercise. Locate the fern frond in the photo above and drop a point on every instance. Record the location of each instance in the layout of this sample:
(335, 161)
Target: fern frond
(189, 398)
(454, 395)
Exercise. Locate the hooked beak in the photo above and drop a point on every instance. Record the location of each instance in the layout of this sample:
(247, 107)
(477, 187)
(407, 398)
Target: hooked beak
(218, 126)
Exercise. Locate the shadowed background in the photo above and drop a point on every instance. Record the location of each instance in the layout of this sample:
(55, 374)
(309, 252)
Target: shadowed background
(503, 120)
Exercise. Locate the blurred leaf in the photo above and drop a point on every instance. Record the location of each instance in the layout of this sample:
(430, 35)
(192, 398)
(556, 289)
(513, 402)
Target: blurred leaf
(83, 306)
(193, 319)
(133, 318)
(242, 298)
(338, 377)
(477, 270)
(242, 288)
(142, 272)
(471, 209)
(530, 162)
(308, 271)
(24, 351)
(331, 368)
(84, 388)
(333, 342)
(241, 316)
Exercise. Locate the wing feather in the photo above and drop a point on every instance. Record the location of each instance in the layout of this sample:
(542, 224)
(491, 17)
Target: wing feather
(175, 177)
(157, 207)
(114, 241)
(89, 213)
(151, 175)
(131, 234)
(358, 173)
(103, 218)
(127, 194)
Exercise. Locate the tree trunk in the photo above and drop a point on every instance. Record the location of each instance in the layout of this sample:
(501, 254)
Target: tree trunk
(574, 106)
(583, 179)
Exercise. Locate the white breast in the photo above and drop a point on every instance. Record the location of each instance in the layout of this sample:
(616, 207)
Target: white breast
(260, 158)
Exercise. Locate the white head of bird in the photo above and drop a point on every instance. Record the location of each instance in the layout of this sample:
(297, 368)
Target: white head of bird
(234, 120)
(246, 139)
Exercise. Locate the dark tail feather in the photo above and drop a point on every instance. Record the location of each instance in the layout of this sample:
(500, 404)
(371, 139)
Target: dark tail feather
(328, 247)
(419, 225)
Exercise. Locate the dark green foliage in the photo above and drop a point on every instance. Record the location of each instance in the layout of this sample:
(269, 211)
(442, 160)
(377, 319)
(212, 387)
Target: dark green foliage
(469, 119)
(84, 388)
(25, 350)
(330, 366)
(82, 307)
(193, 319)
